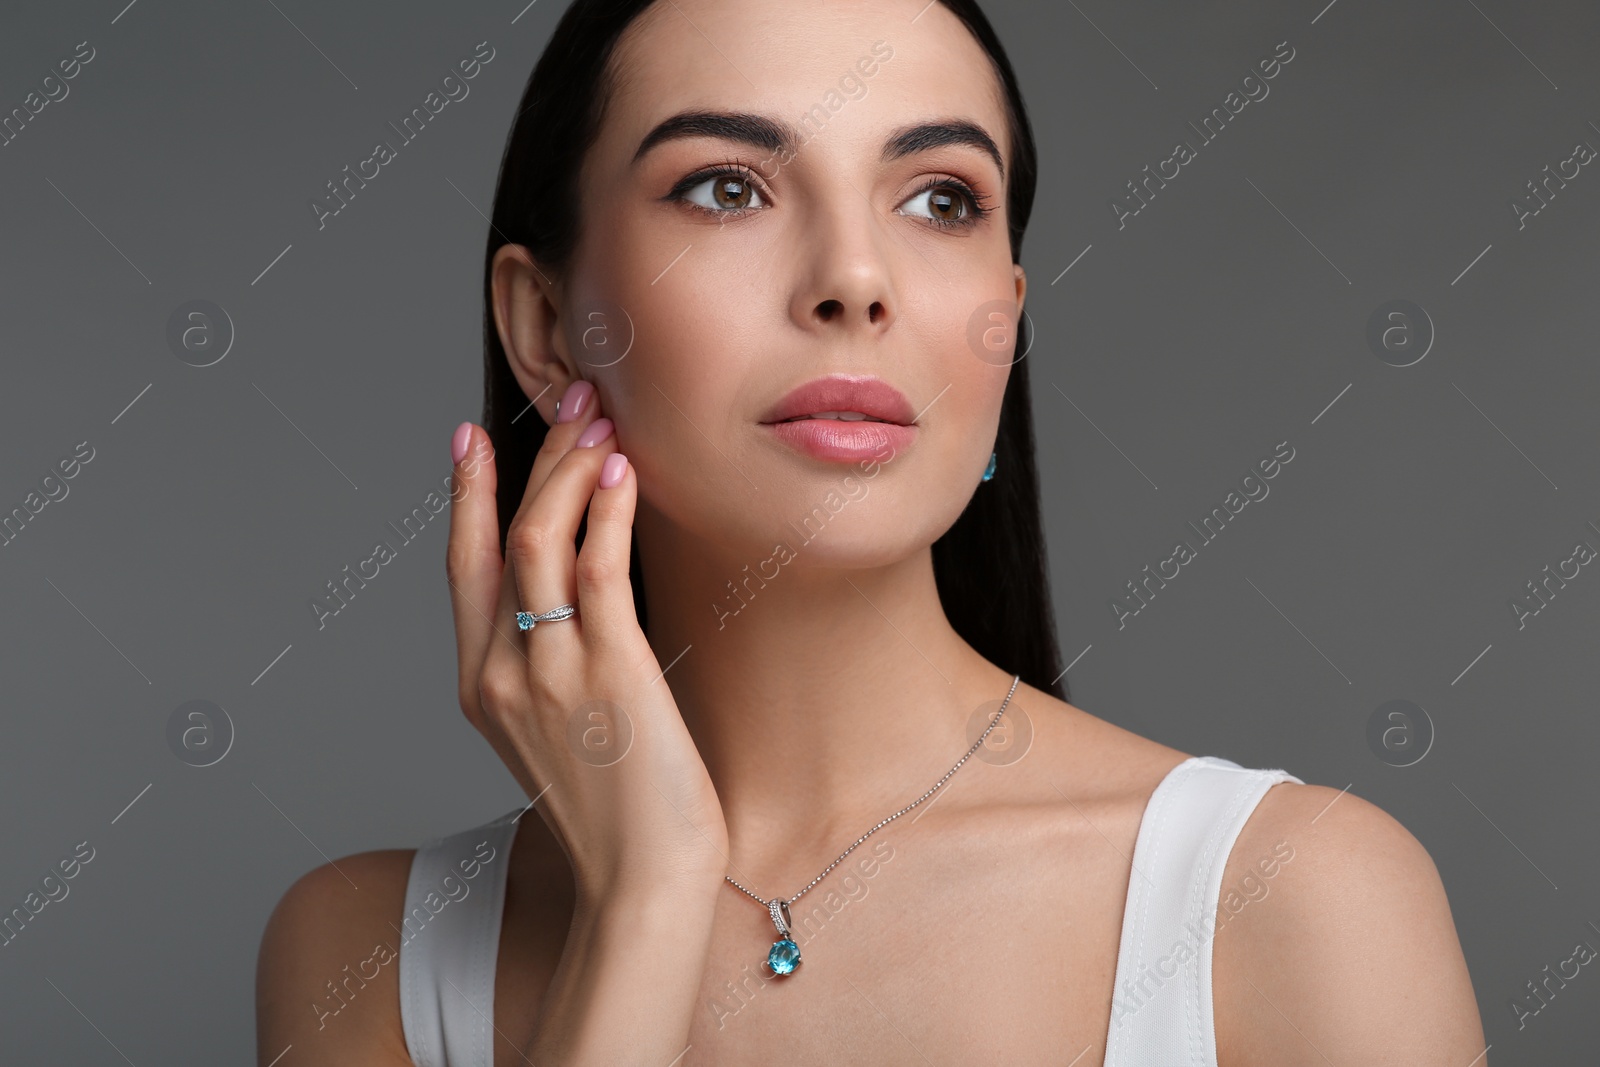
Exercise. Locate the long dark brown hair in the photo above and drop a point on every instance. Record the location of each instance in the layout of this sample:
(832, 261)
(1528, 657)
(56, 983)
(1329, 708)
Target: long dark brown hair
(990, 566)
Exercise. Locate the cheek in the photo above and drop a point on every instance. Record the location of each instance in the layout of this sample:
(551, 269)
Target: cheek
(671, 378)
(969, 432)
(967, 346)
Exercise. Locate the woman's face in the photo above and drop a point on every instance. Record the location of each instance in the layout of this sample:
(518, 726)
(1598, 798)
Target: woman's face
(744, 268)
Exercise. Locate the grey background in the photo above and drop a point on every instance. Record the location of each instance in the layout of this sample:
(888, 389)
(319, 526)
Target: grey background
(1226, 317)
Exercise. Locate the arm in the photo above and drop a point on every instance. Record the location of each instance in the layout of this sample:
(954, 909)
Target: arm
(1346, 953)
(625, 988)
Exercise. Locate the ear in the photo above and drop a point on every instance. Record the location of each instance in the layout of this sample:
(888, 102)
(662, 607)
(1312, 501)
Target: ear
(527, 316)
(1022, 284)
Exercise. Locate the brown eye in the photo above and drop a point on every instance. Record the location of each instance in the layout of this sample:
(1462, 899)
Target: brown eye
(946, 203)
(941, 203)
(731, 192)
(724, 192)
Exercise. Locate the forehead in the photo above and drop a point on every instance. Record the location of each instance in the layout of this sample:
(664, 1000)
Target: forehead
(780, 58)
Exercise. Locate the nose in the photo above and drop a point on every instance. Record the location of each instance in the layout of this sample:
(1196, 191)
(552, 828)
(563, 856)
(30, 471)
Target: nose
(847, 282)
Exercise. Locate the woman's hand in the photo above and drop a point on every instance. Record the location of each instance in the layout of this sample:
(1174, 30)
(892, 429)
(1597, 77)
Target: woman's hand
(559, 702)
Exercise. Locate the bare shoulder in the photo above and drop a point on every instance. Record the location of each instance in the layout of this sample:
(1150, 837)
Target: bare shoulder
(1113, 759)
(327, 974)
(1335, 941)
(1064, 770)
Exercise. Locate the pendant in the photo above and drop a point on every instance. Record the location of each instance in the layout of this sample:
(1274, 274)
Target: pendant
(784, 956)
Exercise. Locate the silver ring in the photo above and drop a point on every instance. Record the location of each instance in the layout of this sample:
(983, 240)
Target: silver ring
(527, 620)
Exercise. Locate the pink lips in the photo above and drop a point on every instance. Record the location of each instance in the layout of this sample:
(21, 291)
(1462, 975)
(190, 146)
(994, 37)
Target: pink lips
(844, 442)
(841, 440)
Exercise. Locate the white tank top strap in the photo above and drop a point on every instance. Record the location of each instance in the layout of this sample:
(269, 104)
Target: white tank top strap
(1161, 1006)
(449, 939)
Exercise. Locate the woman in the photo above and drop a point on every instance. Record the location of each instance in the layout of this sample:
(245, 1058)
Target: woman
(793, 628)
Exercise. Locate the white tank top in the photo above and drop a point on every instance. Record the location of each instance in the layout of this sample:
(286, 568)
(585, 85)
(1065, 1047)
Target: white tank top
(1161, 1001)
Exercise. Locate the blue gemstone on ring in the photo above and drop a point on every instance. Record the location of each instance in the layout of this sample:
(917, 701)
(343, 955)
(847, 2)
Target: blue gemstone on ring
(784, 956)
(525, 620)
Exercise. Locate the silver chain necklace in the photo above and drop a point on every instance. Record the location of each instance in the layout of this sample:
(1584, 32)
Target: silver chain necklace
(784, 955)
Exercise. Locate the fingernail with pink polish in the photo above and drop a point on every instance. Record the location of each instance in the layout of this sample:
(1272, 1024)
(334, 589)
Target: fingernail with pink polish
(598, 431)
(612, 470)
(574, 400)
(458, 443)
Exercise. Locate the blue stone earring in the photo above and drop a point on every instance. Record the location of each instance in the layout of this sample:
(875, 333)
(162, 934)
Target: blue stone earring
(989, 471)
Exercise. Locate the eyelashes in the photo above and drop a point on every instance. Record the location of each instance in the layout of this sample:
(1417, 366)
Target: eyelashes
(974, 205)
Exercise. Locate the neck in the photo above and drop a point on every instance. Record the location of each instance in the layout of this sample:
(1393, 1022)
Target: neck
(822, 698)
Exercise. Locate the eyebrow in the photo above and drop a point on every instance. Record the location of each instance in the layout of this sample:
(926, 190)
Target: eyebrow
(775, 136)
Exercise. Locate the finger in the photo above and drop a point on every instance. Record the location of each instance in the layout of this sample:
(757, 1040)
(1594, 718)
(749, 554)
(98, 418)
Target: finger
(541, 545)
(472, 557)
(580, 406)
(559, 439)
(604, 588)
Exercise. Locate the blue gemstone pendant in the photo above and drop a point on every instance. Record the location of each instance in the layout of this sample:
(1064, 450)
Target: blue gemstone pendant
(989, 470)
(784, 955)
